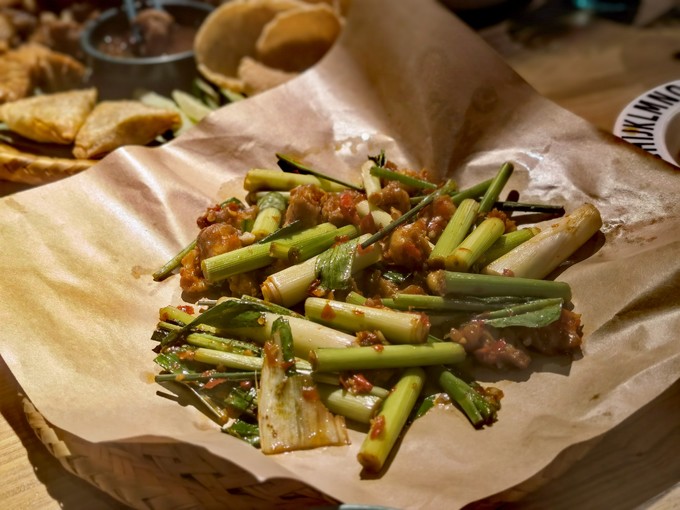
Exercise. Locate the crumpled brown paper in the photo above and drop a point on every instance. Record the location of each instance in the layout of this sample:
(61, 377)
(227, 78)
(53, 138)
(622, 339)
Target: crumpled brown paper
(79, 304)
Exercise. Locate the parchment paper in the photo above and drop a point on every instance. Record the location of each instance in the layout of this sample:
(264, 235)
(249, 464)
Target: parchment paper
(79, 304)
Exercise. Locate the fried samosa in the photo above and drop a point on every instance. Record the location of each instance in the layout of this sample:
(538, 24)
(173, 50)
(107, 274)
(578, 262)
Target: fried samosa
(33, 65)
(113, 124)
(27, 168)
(52, 118)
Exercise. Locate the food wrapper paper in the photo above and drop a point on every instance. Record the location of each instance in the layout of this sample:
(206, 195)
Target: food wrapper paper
(79, 303)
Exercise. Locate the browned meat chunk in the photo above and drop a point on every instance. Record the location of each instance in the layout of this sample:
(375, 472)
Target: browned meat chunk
(487, 348)
(231, 213)
(340, 208)
(408, 246)
(438, 216)
(305, 204)
(392, 196)
(217, 239)
(561, 337)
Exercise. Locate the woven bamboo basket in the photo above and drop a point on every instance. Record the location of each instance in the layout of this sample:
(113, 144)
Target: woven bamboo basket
(151, 476)
(179, 476)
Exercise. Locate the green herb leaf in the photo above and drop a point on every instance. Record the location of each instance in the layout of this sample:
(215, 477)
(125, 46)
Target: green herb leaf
(248, 432)
(231, 311)
(533, 319)
(334, 266)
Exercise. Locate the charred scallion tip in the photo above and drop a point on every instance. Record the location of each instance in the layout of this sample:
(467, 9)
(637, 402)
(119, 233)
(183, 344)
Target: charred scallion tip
(540, 255)
(386, 356)
(387, 426)
(397, 327)
(497, 185)
(289, 164)
(508, 205)
(447, 283)
(455, 231)
(475, 244)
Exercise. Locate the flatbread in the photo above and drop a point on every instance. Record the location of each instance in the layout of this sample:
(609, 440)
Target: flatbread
(257, 77)
(230, 33)
(296, 39)
(51, 118)
(34, 169)
(113, 124)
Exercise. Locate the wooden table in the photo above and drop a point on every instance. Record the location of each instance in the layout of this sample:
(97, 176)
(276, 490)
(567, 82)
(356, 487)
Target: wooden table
(594, 70)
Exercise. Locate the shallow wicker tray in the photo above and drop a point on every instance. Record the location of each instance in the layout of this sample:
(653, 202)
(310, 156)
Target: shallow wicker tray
(169, 475)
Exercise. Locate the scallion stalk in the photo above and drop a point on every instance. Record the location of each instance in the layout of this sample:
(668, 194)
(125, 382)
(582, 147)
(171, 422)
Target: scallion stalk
(302, 250)
(386, 356)
(263, 179)
(455, 231)
(505, 243)
(540, 255)
(270, 211)
(290, 286)
(406, 179)
(397, 327)
(445, 283)
(360, 408)
(387, 426)
(475, 244)
(497, 185)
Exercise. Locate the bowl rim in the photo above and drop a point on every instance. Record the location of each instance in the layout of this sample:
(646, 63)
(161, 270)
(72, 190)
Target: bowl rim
(92, 51)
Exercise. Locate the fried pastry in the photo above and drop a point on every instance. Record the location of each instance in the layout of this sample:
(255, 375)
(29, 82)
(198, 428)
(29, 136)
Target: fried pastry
(27, 168)
(113, 124)
(33, 65)
(52, 118)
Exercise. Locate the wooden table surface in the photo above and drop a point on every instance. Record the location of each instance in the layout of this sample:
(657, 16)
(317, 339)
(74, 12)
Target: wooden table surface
(593, 70)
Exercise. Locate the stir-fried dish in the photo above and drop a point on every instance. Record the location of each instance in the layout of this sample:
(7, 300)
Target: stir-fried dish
(325, 304)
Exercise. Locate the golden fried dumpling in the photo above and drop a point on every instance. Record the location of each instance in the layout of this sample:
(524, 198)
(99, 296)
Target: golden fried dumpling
(33, 65)
(52, 118)
(28, 168)
(113, 124)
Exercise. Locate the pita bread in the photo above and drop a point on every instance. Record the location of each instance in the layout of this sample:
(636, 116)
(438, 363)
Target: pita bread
(51, 118)
(113, 124)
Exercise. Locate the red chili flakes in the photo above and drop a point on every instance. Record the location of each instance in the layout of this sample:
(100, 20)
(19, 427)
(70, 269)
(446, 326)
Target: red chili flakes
(213, 382)
(310, 394)
(377, 426)
(186, 309)
(379, 347)
(356, 384)
(328, 313)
